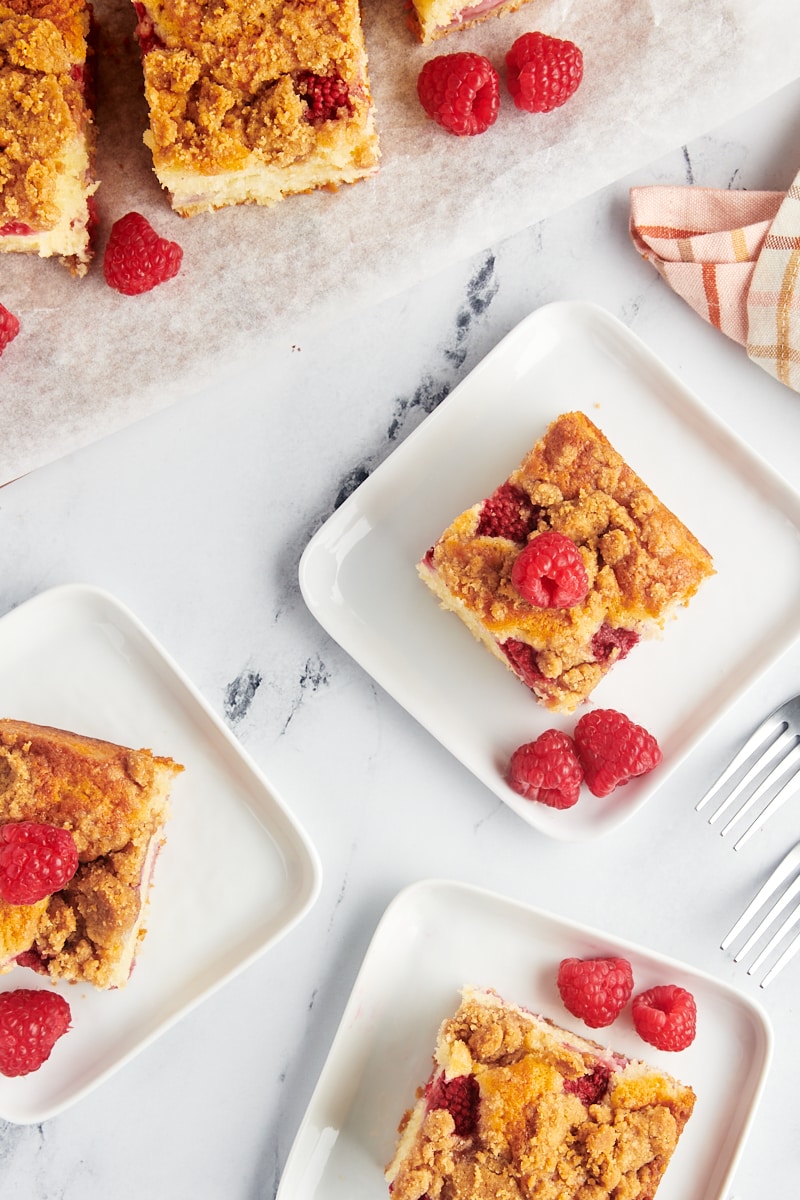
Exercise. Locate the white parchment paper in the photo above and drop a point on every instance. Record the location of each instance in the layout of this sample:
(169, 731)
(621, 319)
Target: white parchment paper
(88, 361)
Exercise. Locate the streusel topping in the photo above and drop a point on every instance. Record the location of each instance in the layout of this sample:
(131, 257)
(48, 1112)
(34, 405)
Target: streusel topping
(221, 80)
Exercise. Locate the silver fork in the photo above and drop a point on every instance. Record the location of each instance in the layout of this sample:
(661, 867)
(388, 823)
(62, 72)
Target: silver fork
(774, 748)
(778, 900)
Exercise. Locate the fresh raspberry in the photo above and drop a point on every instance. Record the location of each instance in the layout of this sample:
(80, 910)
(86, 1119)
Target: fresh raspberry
(9, 327)
(590, 1088)
(666, 1017)
(35, 861)
(595, 989)
(543, 72)
(15, 229)
(507, 513)
(549, 573)
(524, 661)
(31, 1022)
(547, 770)
(327, 96)
(610, 643)
(136, 258)
(460, 1096)
(613, 750)
(461, 92)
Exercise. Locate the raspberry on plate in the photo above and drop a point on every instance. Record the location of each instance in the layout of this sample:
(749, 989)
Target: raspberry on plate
(550, 573)
(461, 92)
(9, 327)
(613, 750)
(31, 1022)
(36, 860)
(595, 989)
(136, 258)
(543, 72)
(666, 1017)
(547, 770)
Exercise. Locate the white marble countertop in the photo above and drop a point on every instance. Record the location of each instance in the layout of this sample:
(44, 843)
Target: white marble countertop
(196, 518)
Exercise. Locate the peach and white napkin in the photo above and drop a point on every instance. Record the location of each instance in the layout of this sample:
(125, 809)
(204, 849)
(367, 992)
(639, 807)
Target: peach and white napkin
(734, 256)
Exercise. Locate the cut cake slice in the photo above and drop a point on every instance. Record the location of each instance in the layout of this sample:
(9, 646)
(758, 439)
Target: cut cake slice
(115, 802)
(431, 19)
(47, 134)
(520, 1109)
(641, 561)
(253, 101)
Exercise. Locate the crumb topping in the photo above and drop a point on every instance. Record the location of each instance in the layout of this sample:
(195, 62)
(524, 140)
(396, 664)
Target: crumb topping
(221, 81)
(535, 1139)
(42, 107)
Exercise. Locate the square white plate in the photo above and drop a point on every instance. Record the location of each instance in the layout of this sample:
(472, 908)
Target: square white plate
(436, 937)
(75, 658)
(358, 573)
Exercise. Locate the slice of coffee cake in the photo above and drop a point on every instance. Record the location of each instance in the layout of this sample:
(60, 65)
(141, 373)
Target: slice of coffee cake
(250, 102)
(115, 803)
(517, 1107)
(47, 134)
(640, 563)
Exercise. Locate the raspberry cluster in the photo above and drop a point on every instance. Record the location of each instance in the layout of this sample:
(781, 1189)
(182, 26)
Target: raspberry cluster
(596, 990)
(606, 751)
(461, 92)
(36, 860)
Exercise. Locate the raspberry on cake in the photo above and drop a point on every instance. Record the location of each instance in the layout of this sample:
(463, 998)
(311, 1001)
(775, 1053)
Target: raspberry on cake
(431, 19)
(250, 102)
(641, 563)
(47, 133)
(516, 1106)
(115, 803)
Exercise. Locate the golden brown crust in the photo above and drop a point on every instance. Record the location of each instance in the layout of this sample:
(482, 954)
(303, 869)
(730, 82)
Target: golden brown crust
(641, 560)
(114, 801)
(540, 1130)
(222, 83)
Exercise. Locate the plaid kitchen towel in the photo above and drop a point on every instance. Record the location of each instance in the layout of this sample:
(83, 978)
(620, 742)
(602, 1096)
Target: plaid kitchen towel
(735, 257)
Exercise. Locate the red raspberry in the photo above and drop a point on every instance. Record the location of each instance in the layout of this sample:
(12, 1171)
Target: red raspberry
(9, 327)
(136, 259)
(35, 861)
(549, 572)
(460, 1096)
(461, 92)
(590, 1088)
(543, 72)
(547, 770)
(613, 750)
(507, 513)
(31, 1022)
(327, 96)
(666, 1017)
(595, 989)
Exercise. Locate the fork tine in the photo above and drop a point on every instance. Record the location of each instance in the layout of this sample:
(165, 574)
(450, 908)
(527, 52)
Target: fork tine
(775, 941)
(786, 957)
(781, 768)
(766, 729)
(781, 872)
(777, 802)
(771, 916)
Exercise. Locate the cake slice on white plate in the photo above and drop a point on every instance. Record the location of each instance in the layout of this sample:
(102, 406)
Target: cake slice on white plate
(115, 803)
